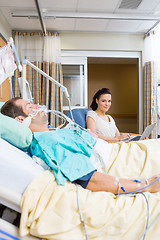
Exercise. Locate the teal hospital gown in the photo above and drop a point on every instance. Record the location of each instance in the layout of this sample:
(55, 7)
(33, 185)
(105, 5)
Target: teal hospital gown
(65, 152)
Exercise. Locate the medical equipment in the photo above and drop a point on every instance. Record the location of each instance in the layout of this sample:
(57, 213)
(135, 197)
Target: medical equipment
(140, 189)
(7, 63)
(15, 54)
(117, 182)
(146, 229)
(28, 90)
(81, 215)
(71, 125)
(63, 89)
(43, 108)
(77, 127)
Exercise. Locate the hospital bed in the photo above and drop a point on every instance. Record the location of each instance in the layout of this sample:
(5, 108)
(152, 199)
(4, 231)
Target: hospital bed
(17, 170)
(103, 213)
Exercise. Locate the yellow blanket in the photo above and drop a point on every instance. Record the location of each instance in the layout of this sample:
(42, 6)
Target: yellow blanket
(135, 159)
(51, 211)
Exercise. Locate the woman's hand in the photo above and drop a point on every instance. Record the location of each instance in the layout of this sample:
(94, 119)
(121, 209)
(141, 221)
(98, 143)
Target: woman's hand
(145, 138)
(123, 136)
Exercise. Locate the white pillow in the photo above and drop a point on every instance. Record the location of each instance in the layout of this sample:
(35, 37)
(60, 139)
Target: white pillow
(17, 169)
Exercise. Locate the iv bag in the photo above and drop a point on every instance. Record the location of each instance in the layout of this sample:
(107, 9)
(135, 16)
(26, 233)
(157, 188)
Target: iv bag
(7, 63)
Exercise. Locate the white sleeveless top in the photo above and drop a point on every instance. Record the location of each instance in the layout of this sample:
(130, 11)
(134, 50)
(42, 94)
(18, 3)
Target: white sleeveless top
(103, 127)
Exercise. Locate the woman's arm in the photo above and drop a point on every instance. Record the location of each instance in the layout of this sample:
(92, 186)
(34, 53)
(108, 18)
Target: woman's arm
(92, 126)
(103, 182)
(122, 135)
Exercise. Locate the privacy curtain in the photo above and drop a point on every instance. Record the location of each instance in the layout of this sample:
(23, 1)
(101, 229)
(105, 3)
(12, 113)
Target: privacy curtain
(44, 52)
(150, 89)
(151, 73)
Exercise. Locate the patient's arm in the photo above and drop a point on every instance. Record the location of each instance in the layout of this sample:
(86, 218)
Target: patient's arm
(103, 182)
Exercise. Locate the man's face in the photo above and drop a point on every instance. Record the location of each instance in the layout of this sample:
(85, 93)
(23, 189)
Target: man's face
(27, 107)
(40, 119)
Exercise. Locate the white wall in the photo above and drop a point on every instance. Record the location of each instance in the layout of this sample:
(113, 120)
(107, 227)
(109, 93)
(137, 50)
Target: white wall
(5, 28)
(102, 41)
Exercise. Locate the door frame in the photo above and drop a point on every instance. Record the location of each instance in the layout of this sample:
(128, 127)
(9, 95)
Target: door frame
(114, 54)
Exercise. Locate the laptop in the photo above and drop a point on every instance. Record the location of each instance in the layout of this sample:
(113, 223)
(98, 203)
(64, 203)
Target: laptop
(146, 133)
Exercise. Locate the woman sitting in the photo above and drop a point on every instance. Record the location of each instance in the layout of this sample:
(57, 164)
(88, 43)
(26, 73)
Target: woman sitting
(98, 122)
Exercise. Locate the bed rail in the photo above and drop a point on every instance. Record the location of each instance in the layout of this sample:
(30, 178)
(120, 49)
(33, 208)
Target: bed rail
(10, 198)
(13, 230)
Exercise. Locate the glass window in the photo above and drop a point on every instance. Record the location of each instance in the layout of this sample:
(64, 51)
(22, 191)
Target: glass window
(73, 80)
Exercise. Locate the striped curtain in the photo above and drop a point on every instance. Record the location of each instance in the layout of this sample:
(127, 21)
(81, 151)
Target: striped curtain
(150, 93)
(50, 93)
(43, 90)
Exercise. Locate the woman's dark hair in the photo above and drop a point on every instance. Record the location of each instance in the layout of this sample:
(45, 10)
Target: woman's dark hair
(97, 95)
(10, 108)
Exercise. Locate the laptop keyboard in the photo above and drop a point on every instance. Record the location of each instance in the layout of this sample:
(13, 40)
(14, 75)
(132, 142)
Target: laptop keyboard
(136, 138)
(132, 138)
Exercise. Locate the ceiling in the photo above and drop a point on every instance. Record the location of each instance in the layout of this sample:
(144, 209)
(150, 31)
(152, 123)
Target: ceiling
(114, 16)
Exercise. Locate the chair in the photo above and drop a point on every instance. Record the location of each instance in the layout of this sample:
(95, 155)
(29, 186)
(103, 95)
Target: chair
(79, 115)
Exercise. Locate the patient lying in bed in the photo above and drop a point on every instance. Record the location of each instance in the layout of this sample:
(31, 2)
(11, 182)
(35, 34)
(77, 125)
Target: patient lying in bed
(71, 158)
(51, 211)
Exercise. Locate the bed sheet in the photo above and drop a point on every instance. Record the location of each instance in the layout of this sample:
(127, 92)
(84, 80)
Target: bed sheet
(54, 214)
(17, 169)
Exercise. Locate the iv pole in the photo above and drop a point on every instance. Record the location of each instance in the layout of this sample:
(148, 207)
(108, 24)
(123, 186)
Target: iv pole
(63, 89)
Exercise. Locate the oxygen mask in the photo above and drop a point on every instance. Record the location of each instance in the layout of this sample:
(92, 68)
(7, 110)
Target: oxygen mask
(33, 114)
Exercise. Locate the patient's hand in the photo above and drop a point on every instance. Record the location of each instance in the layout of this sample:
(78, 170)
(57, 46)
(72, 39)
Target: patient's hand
(156, 185)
